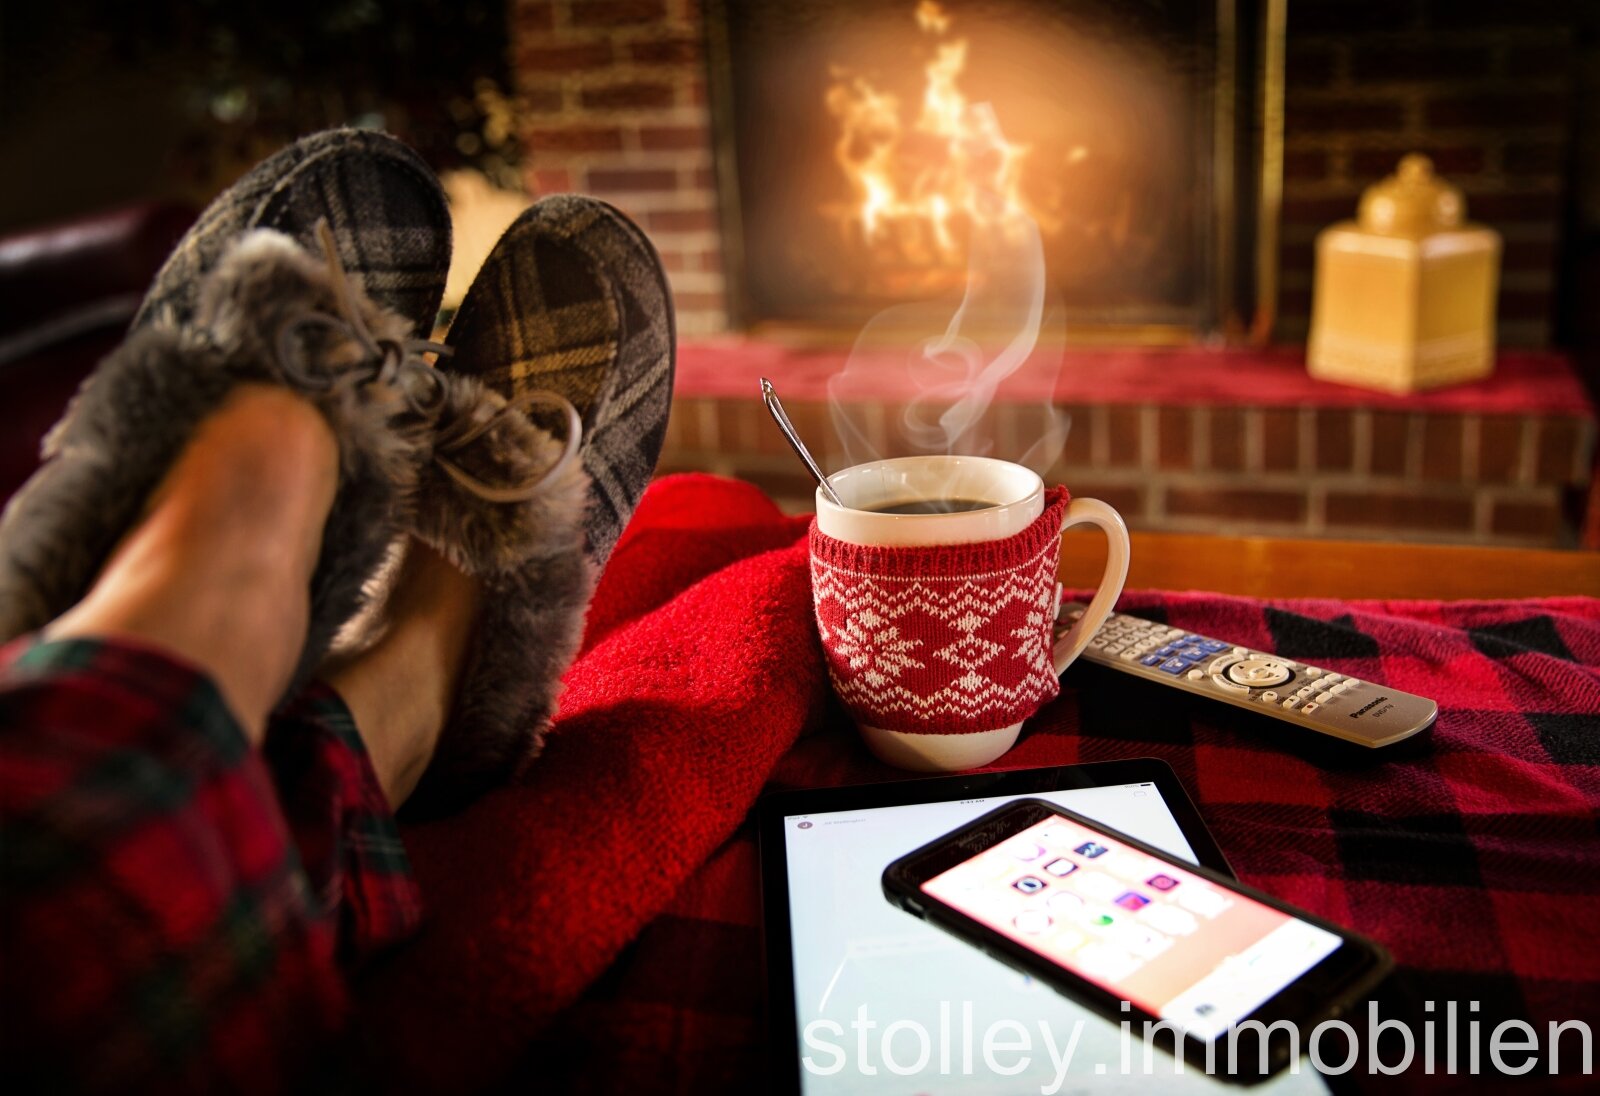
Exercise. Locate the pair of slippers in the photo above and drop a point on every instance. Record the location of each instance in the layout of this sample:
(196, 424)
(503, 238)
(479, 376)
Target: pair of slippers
(520, 456)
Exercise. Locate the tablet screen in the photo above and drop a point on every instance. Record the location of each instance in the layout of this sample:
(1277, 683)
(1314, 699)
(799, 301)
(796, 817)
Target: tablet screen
(864, 970)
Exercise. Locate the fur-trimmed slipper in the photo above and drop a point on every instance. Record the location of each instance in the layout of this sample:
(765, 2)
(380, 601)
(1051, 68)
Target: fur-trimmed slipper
(268, 312)
(570, 318)
(574, 300)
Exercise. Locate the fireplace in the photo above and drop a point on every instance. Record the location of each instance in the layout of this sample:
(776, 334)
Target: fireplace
(865, 147)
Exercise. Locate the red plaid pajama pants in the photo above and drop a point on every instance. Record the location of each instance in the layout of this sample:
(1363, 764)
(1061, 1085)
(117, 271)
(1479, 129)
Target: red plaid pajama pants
(178, 909)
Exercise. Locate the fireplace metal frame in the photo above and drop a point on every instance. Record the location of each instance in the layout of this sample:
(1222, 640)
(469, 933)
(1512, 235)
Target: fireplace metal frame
(1247, 186)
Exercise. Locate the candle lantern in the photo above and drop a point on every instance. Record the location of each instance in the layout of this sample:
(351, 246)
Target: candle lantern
(1405, 294)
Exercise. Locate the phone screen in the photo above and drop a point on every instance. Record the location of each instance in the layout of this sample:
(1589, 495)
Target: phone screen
(1165, 939)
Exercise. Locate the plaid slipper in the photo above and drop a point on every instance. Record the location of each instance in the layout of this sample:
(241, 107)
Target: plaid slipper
(389, 227)
(570, 321)
(573, 300)
(388, 213)
(268, 312)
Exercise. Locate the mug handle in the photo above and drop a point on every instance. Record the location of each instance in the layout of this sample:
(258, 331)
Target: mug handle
(1094, 512)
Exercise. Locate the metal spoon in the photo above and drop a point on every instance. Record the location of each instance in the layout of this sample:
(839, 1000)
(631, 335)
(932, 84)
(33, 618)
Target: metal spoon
(770, 397)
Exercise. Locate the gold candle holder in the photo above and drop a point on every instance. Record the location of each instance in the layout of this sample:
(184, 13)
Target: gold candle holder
(1404, 295)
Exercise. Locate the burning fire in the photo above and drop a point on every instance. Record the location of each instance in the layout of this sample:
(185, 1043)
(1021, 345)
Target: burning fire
(916, 191)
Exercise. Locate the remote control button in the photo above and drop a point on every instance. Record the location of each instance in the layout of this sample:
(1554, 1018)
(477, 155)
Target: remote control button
(1307, 692)
(1130, 655)
(1166, 651)
(1309, 708)
(1173, 633)
(1176, 665)
(1197, 675)
(1331, 678)
(1152, 660)
(1323, 698)
(1223, 683)
(1194, 652)
(1259, 672)
(1341, 688)
(1242, 652)
(1213, 645)
(1096, 643)
(1113, 648)
(1269, 696)
(1351, 682)
(1292, 702)
(1218, 665)
(1312, 671)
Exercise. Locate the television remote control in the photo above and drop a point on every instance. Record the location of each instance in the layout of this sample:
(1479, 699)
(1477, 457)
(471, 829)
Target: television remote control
(1363, 712)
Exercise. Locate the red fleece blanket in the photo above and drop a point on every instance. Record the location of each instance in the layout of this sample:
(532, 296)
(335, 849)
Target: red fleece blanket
(597, 929)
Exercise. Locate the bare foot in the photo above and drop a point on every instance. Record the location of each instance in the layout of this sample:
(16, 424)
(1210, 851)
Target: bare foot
(218, 571)
(401, 690)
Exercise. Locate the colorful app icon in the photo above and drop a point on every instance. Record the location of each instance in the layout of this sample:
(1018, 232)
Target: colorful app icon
(1132, 900)
(1161, 882)
(1032, 922)
(1029, 884)
(1061, 866)
(1091, 850)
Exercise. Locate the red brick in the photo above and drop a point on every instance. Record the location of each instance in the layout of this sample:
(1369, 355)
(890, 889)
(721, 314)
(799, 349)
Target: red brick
(1515, 206)
(1399, 510)
(1389, 434)
(1524, 304)
(700, 302)
(1124, 435)
(1320, 211)
(666, 51)
(580, 139)
(1280, 440)
(1308, 66)
(617, 13)
(579, 57)
(1344, 115)
(1441, 447)
(1306, 164)
(705, 178)
(669, 138)
(1431, 62)
(1451, 160)
(533, 18)
(552, 180)
(628, 96)
(674, 262)
(1499, 448)
(1227, 438)
(1556, 450)
(541, 101)
(1502, 108)
(1237, 503)
(626, 179)
(1528, 255)
(1175, 438)
(709, 261)
(1126, 499)
(681, 220)
(1078, 450)
(1541, 520)
(1538, 59)
(1534, 158)
(1335, 441)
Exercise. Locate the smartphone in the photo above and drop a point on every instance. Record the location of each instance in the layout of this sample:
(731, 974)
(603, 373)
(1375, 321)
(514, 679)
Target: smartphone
(1184, 953)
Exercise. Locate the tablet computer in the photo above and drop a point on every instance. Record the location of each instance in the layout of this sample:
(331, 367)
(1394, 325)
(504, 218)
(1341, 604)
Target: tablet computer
(864, 998)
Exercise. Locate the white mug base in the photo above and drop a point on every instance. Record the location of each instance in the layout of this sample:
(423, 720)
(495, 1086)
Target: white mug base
(938, 753)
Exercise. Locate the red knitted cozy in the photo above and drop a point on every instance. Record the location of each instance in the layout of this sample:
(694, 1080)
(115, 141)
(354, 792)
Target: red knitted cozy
(944, 639)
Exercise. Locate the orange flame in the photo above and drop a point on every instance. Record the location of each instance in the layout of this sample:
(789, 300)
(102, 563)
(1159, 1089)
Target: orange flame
(914, 192)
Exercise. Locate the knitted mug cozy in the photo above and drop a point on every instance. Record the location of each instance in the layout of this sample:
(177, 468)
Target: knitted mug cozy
(941, 639)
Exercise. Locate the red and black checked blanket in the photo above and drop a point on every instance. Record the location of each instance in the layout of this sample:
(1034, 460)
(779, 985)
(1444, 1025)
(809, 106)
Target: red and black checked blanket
(599, 928)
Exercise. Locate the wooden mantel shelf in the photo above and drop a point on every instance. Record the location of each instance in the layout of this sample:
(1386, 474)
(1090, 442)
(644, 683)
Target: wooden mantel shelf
(1284, 567)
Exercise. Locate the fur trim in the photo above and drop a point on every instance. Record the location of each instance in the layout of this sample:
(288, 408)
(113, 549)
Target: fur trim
(134, 415)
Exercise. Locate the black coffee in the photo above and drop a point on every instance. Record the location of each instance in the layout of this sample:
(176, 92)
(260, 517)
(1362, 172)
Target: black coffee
(932, 506)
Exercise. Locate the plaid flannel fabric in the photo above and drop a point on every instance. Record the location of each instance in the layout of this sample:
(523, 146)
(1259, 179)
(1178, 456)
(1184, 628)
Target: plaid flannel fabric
(1470, 852)
(166, 920)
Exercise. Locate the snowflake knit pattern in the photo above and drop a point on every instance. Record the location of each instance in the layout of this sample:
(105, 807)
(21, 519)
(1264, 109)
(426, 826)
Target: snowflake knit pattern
(943, 639)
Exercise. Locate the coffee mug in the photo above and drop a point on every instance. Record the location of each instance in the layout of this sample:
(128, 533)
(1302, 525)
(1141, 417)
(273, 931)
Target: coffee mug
(935, 593)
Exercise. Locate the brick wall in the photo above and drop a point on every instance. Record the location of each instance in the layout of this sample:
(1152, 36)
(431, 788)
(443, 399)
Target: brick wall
(1337, 472)
(1485, 87)
(612, 102)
